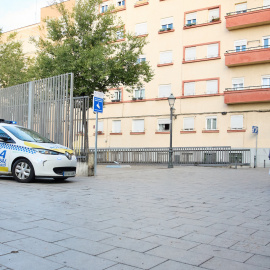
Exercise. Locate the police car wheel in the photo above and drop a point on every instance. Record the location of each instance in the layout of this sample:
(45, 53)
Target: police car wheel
(23, 171)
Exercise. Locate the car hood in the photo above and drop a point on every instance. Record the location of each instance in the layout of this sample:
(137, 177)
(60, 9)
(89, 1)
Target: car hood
(50, 146)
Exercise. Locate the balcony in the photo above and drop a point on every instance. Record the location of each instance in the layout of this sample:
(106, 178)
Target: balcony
(251, 56)
(251, 94)
(248, 18)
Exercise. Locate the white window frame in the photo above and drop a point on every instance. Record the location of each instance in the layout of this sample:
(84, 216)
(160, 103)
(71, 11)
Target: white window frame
(166, 57)
(190, 53)
(139, 127)
(266, 3)
(241, 7)
(162, 123)
(189, 88)
(211, 118)
(267, 77)
(142, 58)
(139, 93)
(167, 22)
(240, 43)
(121, 3)
(237, 122)
(141, 29)
(266, 37)
(191, 17)
(211, 88)
(188, 123)
(117, 95)
(100, 126)
(213, 14)
(104, 5)
(116, 126)
(164, 90)
(213, 50)
(239, 82)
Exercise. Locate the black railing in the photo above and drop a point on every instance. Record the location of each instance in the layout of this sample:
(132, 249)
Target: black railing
(210, 156)
(247, 88)
(249, 49)
(247, 10)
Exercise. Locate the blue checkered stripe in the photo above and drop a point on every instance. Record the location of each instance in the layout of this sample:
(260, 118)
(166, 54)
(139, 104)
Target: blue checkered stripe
(17, 148)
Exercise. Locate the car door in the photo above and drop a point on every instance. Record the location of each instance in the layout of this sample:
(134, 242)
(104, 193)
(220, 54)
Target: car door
(4, 153)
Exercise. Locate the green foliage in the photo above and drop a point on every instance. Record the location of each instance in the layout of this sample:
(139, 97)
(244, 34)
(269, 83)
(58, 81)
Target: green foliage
(86, 43)
(15, 67)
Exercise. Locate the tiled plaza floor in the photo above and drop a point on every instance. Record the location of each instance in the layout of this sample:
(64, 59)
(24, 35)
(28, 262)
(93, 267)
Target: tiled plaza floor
(152, 217)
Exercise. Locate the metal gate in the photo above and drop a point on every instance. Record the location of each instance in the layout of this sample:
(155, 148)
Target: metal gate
(48, 107)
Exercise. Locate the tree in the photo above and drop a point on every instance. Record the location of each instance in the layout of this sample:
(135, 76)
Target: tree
(86, 43)
(14, 66)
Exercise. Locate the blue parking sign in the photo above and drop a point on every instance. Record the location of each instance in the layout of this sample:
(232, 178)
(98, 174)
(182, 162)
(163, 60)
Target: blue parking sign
(255, 129)
(98, 104)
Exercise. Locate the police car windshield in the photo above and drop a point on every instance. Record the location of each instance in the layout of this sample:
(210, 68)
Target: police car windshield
(27, 135)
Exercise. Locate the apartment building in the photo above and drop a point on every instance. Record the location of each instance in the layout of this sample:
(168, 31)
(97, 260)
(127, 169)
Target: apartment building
(213, 56)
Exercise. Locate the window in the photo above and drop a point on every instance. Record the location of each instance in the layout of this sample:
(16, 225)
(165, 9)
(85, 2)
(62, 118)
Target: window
(241, 7)
(163, 125)
(266, 3)
(138, 125)
(189, 89)
(139, 93)
(100, 126)
(142, 58)
(120, 3)
(237, 122)
(211, 123)
(266, 42)
(165, 57)
(211, 87)
(212, 50)
(117, 95)
(164, 90)
(103, 8)
(188, 123)
(4, 134)
(119, 34)
(238, 83)
(141, 29)
(167, 23)
(266, 81)
(191, 19)
(190, 53)
(240, 45)
(116, 126)
(213, 14)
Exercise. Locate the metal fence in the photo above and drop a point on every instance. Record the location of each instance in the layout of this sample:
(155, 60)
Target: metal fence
(48, 107)
(215, 156)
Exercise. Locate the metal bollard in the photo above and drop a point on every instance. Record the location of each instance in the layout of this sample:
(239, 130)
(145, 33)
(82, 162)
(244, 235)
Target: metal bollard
(235, 162)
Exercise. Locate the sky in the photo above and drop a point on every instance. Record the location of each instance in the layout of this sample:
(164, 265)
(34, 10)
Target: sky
(19, 13)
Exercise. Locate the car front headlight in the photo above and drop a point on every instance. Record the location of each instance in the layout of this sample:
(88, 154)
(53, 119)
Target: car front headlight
(46, 151)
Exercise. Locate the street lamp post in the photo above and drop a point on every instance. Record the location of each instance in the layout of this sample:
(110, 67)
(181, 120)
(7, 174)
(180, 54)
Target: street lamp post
(171, 100)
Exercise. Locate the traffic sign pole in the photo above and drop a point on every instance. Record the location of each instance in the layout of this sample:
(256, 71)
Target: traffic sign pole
(97, 108)
(256, 160)
(95, 165)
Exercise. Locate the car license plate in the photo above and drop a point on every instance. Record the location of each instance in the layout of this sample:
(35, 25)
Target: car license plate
(69, 173)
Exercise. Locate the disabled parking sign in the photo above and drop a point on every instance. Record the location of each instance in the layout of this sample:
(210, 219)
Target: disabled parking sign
(98, 102)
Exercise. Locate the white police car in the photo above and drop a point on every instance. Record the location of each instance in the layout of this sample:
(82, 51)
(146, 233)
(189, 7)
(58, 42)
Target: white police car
(25, 154)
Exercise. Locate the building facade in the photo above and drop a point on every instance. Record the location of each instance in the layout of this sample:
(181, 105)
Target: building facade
(213, 56)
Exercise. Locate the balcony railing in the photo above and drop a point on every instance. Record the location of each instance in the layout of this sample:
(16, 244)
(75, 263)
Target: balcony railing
(249, 49)
(250, 94)
(247, 10)
(249, 56)
(215, 20)
(248, 18)
(247, 88)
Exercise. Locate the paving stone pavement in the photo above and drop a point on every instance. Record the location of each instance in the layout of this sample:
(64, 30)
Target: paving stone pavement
(188, 218)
